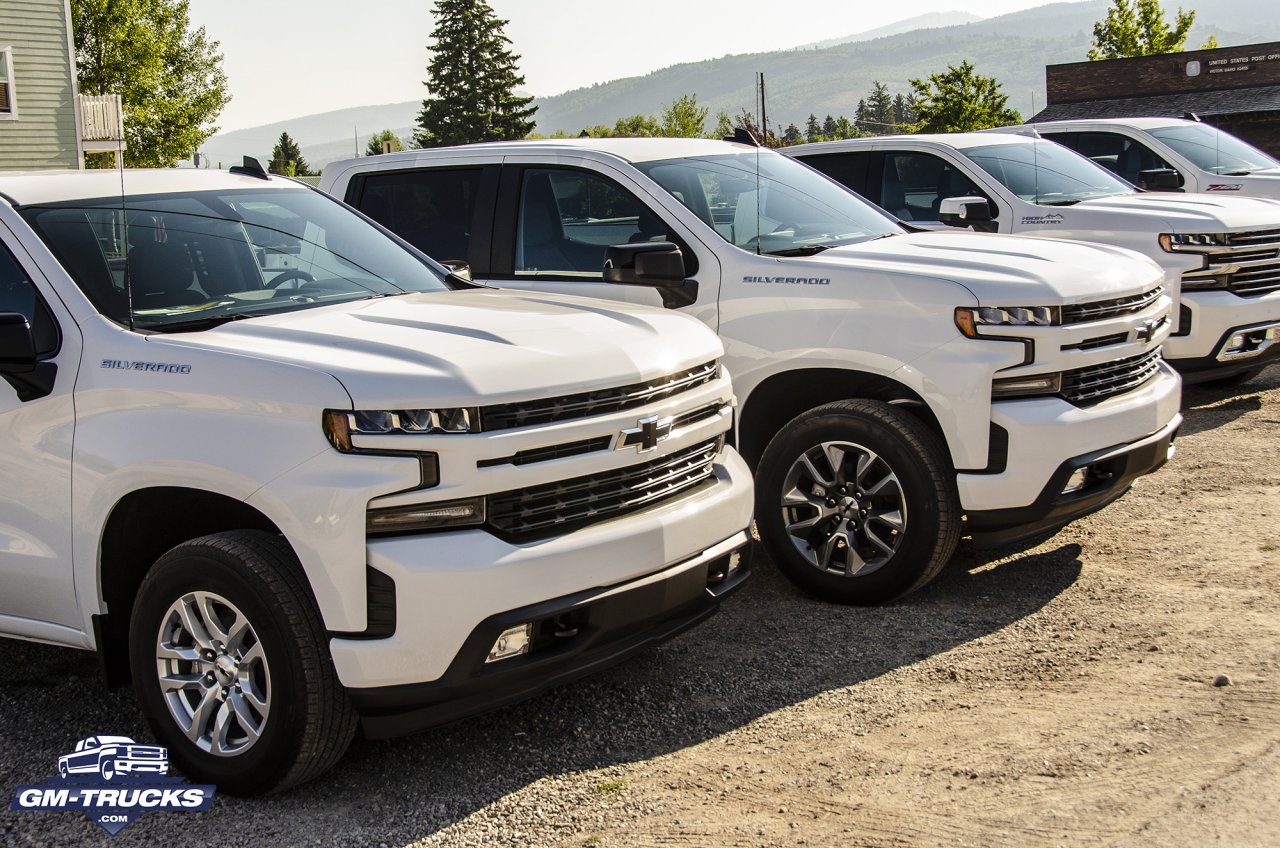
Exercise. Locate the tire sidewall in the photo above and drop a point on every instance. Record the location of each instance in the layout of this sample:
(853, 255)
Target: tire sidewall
(923, 500)
(196, 568)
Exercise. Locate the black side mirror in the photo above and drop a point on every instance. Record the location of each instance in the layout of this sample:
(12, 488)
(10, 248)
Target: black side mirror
(659, 264)
(19, 365)
(17, 345)
(1160, 179)
(964, 211)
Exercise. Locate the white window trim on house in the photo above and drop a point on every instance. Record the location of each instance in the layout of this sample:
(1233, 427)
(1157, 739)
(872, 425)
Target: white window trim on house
(12, 115)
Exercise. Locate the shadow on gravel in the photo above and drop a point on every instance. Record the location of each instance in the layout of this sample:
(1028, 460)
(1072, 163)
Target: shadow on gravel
(1209, 407)
(770, 647)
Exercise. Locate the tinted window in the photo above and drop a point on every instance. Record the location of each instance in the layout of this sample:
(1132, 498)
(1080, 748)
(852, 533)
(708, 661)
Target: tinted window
(568, 218)
(432, 210)
(1047, 173)
(1213, 150)
(18, 294)
(915, 184)
(1119, 154)
(206, 257)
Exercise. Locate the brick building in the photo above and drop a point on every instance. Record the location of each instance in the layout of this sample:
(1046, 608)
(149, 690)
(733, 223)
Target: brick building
(1234, 88)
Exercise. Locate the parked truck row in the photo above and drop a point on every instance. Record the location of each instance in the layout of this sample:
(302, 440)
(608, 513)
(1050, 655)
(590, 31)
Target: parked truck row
(460, 425)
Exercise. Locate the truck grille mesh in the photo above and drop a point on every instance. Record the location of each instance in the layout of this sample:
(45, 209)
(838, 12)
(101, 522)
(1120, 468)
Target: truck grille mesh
(585, 404)
(555, 508)
(1079, 313)
(1084, 386)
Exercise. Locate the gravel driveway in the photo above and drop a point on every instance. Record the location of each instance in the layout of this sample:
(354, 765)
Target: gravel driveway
(1059, 696)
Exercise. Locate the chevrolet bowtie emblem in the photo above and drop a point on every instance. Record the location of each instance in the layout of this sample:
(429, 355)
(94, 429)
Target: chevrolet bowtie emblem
(646, 435)
(1146, 330)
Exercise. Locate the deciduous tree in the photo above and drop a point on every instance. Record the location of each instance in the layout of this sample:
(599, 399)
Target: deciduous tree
(168, 75)
(472, 80)
(1138, 28)
(684, 118)
(960, 100)
(375, 143)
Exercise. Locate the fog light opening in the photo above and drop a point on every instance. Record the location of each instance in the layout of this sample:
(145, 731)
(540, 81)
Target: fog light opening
(513, 642)
(1077, 481)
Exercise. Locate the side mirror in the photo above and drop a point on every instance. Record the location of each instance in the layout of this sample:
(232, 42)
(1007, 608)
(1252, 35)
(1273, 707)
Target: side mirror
(459, 268)
(1160, 179)
(650, 263)
(964, 211)
(659, 264)
(17, 345)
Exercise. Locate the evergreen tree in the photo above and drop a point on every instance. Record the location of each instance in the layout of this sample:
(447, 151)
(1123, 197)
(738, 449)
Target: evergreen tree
(1138, 28)
(860, 114)
(286, 159)
(812, 129)
(829, 126)
(879, 110)
(168, 75)
(959, 100)
(792, 135)
(375, 143)
(471, 80)
(904, 112)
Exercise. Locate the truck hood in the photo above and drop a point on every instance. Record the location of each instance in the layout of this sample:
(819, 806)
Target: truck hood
(1185, 213)
(1003, 270)
(1256, 184)
(467, 348)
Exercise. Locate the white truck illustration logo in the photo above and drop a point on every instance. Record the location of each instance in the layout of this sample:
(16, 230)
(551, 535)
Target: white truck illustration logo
(110, 756)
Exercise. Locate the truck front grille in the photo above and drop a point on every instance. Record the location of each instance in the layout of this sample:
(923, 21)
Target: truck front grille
(600, 402)
(1085, 386)
(1243, 263)
(1079, 313)
(555, 508)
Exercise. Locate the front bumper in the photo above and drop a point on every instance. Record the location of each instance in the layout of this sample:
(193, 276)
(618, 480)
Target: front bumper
(1215, 316)
(1261, 347)
(581, 634)
(1112, 473)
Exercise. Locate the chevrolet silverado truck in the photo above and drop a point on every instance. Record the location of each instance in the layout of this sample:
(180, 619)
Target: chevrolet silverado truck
(1220, 254)
(897, 390)
(291, 476)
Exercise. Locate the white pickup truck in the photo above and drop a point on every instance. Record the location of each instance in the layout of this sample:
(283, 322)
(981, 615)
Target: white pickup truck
(1205, 158)
(288, 497)
(898, 391)
(1221, 254)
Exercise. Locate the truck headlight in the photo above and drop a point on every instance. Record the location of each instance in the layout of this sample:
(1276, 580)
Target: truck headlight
(970, 318)
(1189, 242)
(368, 422)
(1038, 384)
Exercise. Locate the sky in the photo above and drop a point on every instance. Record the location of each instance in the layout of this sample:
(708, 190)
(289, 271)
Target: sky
(289, 59)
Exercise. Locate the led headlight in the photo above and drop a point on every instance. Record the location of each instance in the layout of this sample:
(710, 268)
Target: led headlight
(969, 320)
(1189, 242)
(340, 425)
(1039, 384)
(420, 518)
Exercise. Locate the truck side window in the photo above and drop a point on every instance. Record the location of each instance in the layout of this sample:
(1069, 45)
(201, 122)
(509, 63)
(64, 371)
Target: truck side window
(1119, 154)
(431, 209)
(18, 294)
(915, 184)
(568, 218)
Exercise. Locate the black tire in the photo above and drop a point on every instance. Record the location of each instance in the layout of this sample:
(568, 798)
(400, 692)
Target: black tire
(310, 721)
(927, 507)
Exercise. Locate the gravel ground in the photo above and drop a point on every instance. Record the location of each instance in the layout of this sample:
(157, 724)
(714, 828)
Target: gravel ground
(1063, 695)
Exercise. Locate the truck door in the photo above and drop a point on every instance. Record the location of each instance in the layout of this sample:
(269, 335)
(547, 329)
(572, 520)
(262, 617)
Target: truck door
(36, 428)
(554, 224)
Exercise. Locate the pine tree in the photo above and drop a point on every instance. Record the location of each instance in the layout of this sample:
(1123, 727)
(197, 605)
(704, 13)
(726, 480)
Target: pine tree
(860, 116)
(812, 129)
(829, 126)
(904, 112)
(792, 135)
(286, 159)
(472, 77)
(879, 110)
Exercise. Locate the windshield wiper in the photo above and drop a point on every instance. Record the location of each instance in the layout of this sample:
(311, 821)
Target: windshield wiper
(805, 250)
(195, 324)
(1059, 202)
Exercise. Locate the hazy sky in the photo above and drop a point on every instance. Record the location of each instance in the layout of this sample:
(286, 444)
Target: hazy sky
(287, 59)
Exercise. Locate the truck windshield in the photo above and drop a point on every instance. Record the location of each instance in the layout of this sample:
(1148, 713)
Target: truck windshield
(176, 262)
(1047, 173)
(1212, 150)
(783, 208)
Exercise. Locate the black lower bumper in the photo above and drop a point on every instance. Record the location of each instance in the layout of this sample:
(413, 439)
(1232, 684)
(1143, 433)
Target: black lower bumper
(573, 636)
(1111, 474)
(1204, 368)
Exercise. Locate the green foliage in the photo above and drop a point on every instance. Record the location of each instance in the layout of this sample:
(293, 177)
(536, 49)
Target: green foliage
(471, 80)
(904, 113)
(792, 135)
(1210, 43)
(1138, 28)
(724, 125)
(959, 100)
(684, 118)
(169, 76)
(286, 159)
(375, 143)
(812, 129)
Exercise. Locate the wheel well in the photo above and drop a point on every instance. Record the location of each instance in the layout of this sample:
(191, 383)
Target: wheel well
(783, 396)
(143, 526)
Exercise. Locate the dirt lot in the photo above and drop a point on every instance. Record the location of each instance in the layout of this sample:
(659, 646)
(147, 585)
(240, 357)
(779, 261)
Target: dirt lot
(1059, 696)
